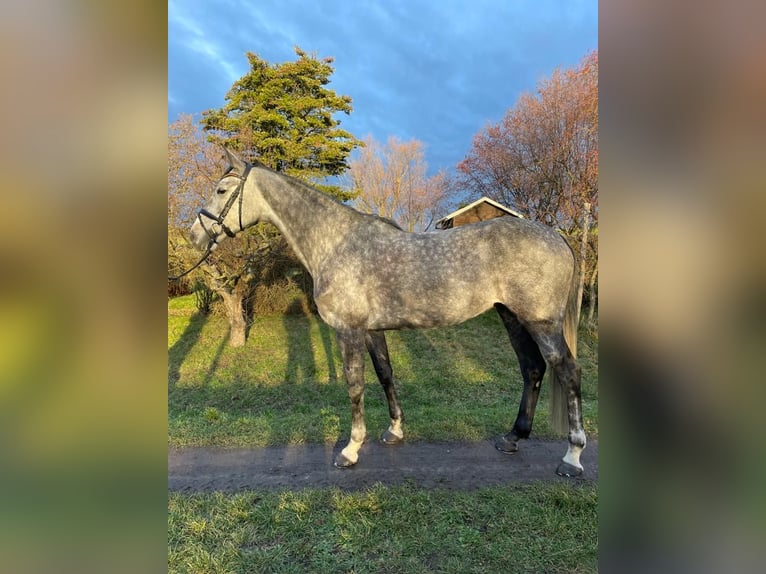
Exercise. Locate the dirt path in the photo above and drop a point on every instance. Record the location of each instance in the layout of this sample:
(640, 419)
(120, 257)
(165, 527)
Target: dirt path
(454, 466)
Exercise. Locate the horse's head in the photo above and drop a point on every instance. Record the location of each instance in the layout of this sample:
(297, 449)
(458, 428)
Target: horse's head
(228, 212)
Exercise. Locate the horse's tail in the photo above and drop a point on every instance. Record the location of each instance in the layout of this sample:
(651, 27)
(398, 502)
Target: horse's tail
(559, 406)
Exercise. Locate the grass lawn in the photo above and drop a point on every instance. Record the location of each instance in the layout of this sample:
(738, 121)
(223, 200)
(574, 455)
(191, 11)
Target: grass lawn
(285, 386)
(529, 528)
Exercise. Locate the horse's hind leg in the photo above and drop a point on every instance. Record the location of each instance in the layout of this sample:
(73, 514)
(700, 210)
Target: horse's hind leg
(566, 373)
(378, 349)
(351, 344)
(532, 367)
(569, 375)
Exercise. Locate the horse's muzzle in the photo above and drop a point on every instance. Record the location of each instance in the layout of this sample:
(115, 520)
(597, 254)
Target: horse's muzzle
(198, 236)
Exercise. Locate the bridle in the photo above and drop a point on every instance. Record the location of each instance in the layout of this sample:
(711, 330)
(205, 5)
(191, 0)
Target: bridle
(237, 193)
(226, 208)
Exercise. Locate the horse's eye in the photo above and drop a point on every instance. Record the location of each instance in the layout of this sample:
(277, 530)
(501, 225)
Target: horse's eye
(220, 191)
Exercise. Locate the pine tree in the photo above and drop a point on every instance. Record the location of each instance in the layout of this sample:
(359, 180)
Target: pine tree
(283, 115)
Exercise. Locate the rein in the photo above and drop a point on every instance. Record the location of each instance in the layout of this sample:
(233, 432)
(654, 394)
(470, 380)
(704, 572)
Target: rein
(208, 250)
(238, 192)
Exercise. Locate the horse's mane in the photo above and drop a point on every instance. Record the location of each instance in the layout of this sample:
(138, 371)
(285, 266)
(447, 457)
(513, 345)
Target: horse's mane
(311, 188)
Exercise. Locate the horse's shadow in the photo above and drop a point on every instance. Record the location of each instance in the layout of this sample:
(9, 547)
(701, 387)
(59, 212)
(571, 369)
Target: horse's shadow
(180, 350)
(301, 366)
(467, 364)
(311, 381)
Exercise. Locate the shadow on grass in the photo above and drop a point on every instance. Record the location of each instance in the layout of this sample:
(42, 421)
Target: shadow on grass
(281, 387)
(211, 371)
(284, 385)
(327, 335)
(300, 365)
(473, 383)
(183, 346)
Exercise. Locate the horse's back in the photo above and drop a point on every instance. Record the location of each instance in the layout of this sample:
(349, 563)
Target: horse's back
(501, 246)
(392, 279)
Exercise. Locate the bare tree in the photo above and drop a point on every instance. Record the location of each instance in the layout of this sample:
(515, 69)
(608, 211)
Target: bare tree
(392, 181)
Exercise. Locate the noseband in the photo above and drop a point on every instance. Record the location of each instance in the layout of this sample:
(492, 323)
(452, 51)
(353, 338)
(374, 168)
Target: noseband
(238, 192)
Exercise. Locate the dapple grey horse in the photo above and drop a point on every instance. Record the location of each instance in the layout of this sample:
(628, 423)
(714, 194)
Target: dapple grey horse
(370, 276)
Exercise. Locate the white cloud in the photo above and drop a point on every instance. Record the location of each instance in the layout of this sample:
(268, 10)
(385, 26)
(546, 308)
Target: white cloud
(193, 37)
(437, 72)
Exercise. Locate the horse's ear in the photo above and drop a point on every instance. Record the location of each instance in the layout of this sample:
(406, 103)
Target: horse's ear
(234, 160)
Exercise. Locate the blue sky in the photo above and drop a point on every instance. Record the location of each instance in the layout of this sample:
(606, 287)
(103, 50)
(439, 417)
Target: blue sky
(437, 71)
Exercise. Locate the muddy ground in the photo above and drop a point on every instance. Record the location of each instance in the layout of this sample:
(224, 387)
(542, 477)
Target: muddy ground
(449, 465)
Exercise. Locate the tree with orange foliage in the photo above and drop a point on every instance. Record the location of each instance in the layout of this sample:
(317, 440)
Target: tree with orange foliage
(391, 181)
(542, 160)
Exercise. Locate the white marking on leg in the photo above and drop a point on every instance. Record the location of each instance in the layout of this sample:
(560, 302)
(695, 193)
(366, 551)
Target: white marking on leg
(351, 452)
(573, 452)
(395, 428)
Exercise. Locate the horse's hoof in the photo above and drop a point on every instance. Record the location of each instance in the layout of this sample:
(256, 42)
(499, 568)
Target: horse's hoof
(568, 470)
(390, 438)
(507, 446)
(342, 462)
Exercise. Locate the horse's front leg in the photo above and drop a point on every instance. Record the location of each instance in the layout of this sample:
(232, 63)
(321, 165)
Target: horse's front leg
(352, 348)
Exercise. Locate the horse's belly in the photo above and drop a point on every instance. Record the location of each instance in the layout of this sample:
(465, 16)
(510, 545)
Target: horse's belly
(404, 300)
(423, 310)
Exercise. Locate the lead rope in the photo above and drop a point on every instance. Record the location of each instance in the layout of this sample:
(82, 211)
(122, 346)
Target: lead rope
(208, 250)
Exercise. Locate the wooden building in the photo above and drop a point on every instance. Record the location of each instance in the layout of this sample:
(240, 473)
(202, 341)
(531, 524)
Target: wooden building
(480, 210)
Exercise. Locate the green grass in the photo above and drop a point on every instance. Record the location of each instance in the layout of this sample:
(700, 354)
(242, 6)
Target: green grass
(528, 528)
(183, 304)
(285, 386)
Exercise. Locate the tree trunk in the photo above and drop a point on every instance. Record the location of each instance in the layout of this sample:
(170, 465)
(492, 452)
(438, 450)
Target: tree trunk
(235, 312)
(583, 253)
(592, 298)
(233, 304)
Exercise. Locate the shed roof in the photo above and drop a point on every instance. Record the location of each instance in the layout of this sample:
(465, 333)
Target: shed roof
(474, 205)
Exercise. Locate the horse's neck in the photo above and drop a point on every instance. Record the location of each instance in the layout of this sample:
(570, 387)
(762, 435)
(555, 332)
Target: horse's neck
(311, 221)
